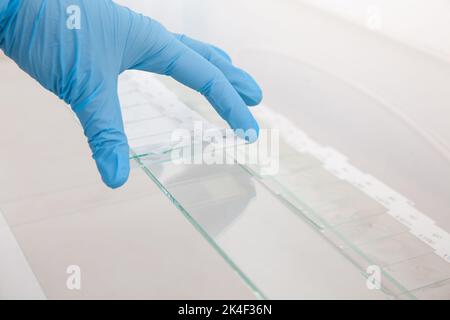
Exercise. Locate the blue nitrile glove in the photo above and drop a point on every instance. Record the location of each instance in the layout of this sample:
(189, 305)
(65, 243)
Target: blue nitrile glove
(77, 49)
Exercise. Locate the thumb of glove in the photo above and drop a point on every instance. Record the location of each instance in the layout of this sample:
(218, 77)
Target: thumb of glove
(101, 118)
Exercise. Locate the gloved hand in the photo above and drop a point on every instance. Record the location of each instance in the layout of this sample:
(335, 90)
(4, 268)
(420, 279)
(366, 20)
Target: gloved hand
(77, 49)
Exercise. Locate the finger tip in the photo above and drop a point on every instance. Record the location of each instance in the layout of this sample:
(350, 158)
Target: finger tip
(114, 165)
(255, 98)
(249, 133)
(252, 134)
(249, 90)
(117, 182)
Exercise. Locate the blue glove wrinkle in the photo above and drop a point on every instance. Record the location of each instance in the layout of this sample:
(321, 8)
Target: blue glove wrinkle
(8, 11)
